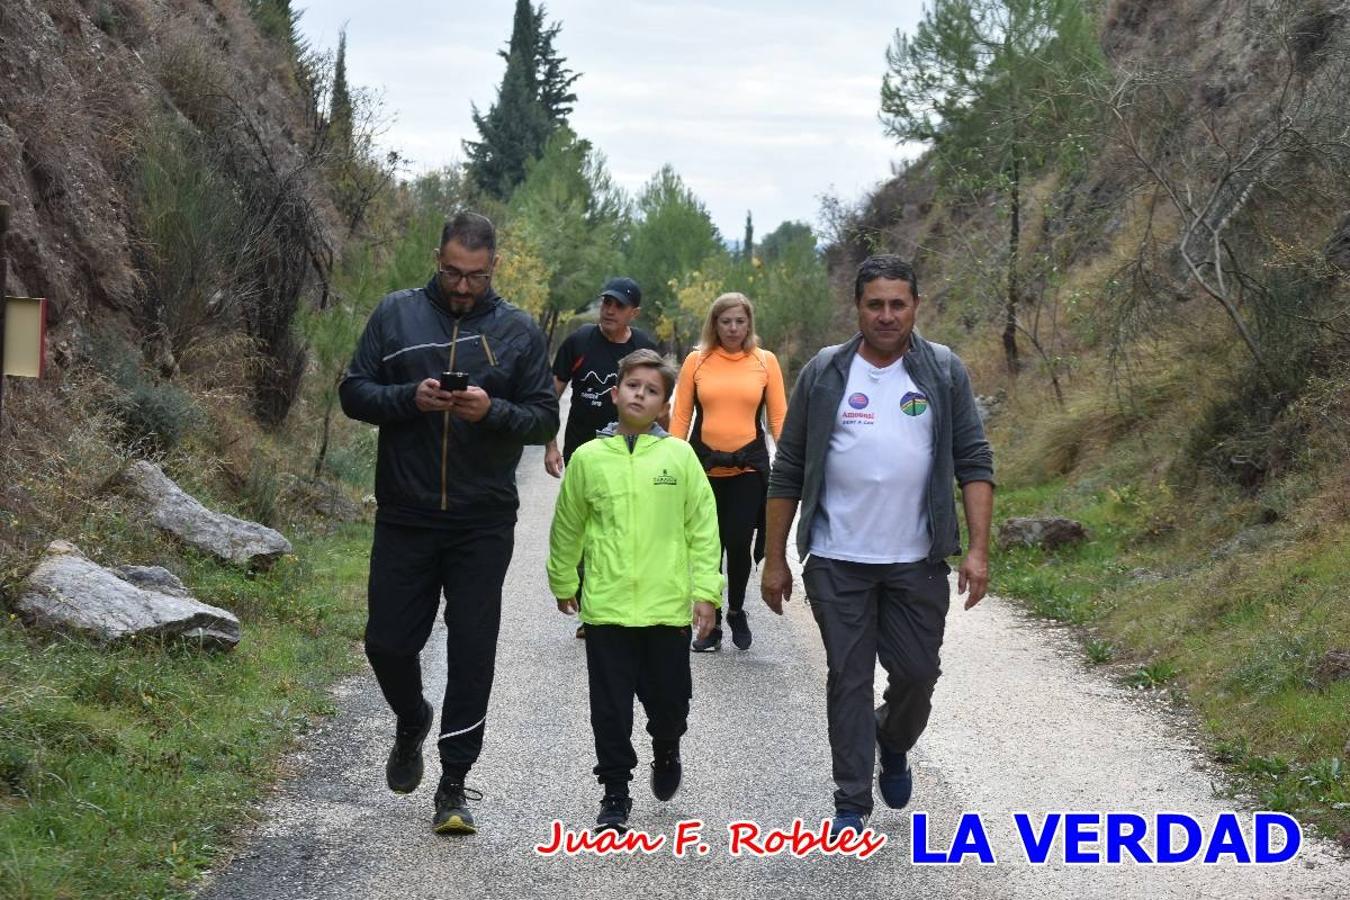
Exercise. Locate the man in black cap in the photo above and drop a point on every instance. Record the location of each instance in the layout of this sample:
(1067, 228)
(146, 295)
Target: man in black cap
(588, 360)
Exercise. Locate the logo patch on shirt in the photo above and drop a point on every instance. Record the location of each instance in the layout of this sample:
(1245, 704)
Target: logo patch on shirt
(858, 401)
(664, 478)
(914, 404)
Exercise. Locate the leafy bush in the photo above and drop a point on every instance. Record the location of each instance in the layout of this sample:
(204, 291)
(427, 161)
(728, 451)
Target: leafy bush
(354, 461)
(157, 416)
(1241, 438)
(153, 416)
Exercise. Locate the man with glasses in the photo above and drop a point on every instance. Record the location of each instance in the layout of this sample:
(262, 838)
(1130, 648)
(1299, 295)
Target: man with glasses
(588, 360)
(446, 493)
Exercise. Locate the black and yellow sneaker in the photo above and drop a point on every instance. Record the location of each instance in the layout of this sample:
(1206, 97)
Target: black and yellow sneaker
(452, 811)
(403, 771)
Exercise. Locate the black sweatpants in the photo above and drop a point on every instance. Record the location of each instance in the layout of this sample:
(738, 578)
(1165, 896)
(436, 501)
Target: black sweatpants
(740, 498)
(409, 569)
(651, 663)
(894, 613)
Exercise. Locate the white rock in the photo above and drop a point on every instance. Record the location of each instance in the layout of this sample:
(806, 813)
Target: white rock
(68, 592)
(233, 540)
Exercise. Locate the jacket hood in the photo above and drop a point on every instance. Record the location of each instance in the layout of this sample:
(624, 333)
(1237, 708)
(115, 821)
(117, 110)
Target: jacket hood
(612, 429)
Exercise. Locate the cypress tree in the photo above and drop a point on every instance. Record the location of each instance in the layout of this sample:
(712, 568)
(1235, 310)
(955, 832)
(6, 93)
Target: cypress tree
(534, 99)
(340, 107)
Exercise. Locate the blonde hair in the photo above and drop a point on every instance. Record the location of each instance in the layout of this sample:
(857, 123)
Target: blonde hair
(708, 341)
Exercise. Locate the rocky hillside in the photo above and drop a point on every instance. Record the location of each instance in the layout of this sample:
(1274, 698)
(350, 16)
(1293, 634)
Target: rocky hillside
(110, 112)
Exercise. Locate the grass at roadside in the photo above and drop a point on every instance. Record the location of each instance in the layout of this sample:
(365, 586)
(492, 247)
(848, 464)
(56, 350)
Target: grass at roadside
(1242, 635)
(124, 771)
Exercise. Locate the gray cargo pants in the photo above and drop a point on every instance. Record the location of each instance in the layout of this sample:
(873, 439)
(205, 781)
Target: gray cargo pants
(895, 612)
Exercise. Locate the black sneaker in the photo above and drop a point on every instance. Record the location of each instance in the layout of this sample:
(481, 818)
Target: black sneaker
(614, 810)
(666, 772)
(710, 644)
(452, 811)
(403, 771)
(740, 629)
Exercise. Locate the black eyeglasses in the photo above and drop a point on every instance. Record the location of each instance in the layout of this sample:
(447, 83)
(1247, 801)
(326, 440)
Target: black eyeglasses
(476, 280)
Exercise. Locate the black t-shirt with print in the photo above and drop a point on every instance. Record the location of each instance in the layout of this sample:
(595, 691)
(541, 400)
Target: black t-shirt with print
(589, 361)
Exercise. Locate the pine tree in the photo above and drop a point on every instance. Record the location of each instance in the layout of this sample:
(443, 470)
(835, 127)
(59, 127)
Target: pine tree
(995, 86)
(534, 99)
(748, 248)
(279, 22)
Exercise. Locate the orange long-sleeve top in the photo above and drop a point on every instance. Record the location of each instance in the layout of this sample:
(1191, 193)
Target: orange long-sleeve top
(730, 387)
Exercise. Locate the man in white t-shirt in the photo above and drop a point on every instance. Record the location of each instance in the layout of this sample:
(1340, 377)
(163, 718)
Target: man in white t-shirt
(877, 431)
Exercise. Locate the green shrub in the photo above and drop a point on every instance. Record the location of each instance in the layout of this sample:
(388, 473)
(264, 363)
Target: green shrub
(354, 461)
(260, 492)
(1242, 437)
(156, 417)
(1279, 661)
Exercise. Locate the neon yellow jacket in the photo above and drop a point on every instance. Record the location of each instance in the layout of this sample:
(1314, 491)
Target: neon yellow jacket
(647, 522)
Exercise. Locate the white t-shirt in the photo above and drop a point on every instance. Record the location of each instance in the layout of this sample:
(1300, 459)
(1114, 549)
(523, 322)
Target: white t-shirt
(872, 507)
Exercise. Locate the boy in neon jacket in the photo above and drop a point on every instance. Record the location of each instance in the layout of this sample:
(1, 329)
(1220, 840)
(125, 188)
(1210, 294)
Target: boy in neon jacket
(639, 505)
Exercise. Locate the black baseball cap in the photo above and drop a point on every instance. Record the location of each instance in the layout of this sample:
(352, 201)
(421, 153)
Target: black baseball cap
(624, 290)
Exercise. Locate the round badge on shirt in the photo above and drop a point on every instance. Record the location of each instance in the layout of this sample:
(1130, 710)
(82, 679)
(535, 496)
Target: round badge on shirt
(914, 404)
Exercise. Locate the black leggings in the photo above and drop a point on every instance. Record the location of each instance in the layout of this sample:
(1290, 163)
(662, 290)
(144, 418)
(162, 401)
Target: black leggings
(739, 501)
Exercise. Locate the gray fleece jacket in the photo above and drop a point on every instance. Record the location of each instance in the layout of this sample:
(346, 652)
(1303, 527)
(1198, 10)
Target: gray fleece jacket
(960, 451)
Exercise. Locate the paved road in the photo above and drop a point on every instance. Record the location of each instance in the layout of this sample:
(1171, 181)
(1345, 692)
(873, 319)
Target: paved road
(1019, 725)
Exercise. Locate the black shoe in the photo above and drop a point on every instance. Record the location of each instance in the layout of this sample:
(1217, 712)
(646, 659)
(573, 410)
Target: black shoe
(666, 772)
(403, 771)
(710, 644)
(740, 629)
(614, 810)
(452, 811)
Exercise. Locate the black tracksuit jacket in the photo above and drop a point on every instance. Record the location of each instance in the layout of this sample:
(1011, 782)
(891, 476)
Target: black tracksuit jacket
(434, 470)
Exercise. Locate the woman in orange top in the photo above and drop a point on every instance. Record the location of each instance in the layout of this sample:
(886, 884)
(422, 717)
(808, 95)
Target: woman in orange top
(726, 387)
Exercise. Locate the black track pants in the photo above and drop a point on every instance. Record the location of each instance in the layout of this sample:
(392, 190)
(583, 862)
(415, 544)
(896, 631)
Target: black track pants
(409, 569)
(650, 663)
(739, 501)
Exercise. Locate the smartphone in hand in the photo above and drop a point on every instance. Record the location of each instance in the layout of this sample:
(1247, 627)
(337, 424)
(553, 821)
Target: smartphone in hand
(454, 381)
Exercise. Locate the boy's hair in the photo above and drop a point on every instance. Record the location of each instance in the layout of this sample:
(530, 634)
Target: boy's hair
(649, 359)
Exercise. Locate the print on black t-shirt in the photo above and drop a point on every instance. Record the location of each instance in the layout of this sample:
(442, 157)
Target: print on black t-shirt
(590, 363)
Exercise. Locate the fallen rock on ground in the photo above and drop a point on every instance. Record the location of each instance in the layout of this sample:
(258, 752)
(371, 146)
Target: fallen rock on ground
(68, 592)
(225, 537)
(1047, 533)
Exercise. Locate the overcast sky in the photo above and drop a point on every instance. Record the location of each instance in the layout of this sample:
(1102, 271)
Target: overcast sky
(759, 105)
